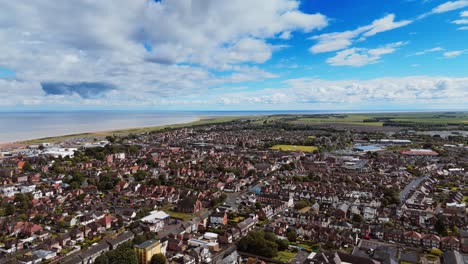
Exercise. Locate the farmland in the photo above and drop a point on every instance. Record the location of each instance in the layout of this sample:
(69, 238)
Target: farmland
(294, 148)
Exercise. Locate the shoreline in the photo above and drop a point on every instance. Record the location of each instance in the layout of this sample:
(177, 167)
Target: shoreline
(199, 120)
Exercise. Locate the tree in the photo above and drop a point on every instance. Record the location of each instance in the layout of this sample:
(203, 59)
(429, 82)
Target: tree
(436, 252)
(158, 259)
(440, 227)
(283, 244)
(27, 167)
(10, 209)
(301, 204)
(291, 235)
(257, 242)
(123, 254)
(357, 218)
(103, 259)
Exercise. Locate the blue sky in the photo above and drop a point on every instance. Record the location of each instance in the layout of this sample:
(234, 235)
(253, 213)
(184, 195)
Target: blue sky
(236, 55)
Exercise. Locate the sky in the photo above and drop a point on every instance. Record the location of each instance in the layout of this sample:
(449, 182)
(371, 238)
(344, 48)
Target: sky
(234, 55)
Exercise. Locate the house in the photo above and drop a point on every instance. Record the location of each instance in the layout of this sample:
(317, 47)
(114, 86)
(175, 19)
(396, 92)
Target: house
(176, 245)
(452, 257)
(412, 237)
(342, 211)
(90, 255)
(219, 218)
(246, 226)
(120, 239)
(189, 204)
(146, 250)
(464, 240)
(430, 241)
(450, 243)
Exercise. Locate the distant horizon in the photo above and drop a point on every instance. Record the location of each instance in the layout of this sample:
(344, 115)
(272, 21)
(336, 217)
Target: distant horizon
(246, 110)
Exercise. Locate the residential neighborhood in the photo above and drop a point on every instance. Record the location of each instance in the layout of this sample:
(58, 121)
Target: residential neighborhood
(238, 192)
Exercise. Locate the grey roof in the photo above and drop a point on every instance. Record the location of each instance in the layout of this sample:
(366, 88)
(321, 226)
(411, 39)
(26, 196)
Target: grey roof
(126, 236)
(409, 256)
(147, 243)
(452, 257)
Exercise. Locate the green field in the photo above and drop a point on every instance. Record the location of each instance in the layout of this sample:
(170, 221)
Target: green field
(340, 119)
(284, 256)
(442, 118)
(295, 148)
(169, 210)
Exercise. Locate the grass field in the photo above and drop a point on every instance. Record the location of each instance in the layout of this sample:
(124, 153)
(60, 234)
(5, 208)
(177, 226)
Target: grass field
(295, 148)
(340, 119)
(305, 209)
(285, 256)
(358, 119)
(184, 216)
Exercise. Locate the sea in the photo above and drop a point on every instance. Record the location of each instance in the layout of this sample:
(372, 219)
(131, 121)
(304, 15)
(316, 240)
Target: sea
(17, 126)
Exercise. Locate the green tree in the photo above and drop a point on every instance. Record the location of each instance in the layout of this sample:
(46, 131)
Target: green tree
(103, 259)
(123, 254)
(256, 242)
(357, 218)
(158, 259)
(27, 167)
(10, 210)
(301, 204)
(283, 244)
(436, 252)
(440, 227)
(291, 235)
(140, 175)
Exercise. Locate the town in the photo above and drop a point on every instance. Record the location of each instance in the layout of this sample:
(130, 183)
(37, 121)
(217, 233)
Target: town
(251, 190)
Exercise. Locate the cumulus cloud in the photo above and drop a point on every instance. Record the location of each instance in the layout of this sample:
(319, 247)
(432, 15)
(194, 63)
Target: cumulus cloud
(192, 31)
(340, 40)
(357, 57)
(412, 90)
(150, 50)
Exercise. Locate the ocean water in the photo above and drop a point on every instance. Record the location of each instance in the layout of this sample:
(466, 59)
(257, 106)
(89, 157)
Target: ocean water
(16, 126)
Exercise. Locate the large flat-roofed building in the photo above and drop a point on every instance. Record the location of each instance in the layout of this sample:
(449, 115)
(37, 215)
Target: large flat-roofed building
(146, 250)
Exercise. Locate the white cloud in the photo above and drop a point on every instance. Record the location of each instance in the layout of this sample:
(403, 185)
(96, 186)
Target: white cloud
(202, 33)
(460, 21)
(385, 24)
(450, 6)
(463, 21)
(454, 53)
(189, 41)
(358, 57)
(436, 49)
(340, 40)
(411, 90)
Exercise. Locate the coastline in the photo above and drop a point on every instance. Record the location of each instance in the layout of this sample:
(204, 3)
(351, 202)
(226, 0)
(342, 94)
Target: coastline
(121, 131)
